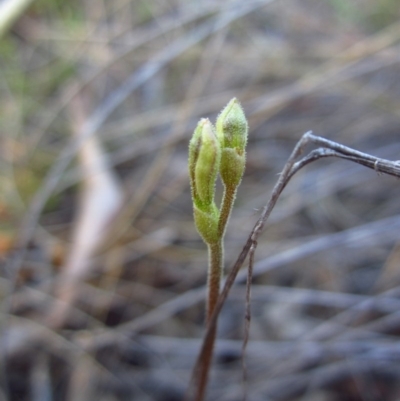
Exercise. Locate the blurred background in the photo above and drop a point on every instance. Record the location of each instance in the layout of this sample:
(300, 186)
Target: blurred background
(102, 275)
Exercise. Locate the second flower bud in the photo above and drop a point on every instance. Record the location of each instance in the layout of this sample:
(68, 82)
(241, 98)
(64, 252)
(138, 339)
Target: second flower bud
(232, 131)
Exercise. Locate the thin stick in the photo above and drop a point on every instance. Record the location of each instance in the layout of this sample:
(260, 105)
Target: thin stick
(329, 149)
(247, 318)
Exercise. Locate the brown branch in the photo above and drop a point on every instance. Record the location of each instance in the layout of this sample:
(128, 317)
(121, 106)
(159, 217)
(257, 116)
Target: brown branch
(326, 148)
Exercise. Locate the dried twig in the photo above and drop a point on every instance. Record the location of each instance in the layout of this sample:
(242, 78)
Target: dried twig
(327, 149)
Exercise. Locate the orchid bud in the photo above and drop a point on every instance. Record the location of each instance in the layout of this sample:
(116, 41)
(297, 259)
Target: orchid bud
(206, 222)
(204, 159)
(232, 131)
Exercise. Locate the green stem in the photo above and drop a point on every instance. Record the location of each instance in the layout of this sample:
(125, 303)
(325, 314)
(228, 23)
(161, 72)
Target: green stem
(216, 257)
(215, 252)
(228, 200)
(202, 377)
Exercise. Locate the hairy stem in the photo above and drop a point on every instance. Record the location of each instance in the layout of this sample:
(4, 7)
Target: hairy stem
(228, 200)
(216, 256)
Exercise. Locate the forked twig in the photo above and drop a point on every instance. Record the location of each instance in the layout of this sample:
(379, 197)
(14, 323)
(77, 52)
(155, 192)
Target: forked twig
(326, 148)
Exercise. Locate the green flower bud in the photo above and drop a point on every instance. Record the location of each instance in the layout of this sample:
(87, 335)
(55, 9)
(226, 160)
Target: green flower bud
(232, 131)
(232, 127)
(232, 167)
(207, 223)
(194, 151)
(204, 159)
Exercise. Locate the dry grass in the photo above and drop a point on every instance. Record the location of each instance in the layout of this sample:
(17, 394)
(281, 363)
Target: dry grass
(135, 77)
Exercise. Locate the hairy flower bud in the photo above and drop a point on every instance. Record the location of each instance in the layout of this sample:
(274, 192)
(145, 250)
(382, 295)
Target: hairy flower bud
(232, 131)
(204, 159)
(207, 223)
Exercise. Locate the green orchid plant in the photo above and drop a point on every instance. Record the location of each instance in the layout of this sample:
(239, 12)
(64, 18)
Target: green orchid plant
(212, 150)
